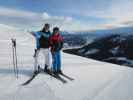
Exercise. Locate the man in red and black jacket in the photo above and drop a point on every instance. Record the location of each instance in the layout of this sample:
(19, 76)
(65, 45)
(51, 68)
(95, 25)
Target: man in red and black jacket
(56, 44)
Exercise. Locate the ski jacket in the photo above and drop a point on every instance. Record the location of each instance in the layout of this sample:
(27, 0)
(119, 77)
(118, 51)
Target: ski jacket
(56, 42)
(42, 39)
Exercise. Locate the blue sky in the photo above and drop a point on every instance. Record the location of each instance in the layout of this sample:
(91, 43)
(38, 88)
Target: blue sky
(73, 15)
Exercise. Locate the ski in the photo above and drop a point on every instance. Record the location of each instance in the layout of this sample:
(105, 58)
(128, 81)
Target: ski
(57, 77)
(31, 78)
(66, 76)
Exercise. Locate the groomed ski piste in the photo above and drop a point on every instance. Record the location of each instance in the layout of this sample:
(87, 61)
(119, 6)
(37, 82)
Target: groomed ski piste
(93, 80)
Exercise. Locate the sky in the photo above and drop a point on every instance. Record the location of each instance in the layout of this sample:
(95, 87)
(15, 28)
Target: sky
(69, 15)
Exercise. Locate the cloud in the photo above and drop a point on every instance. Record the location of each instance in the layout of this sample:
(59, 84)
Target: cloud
(113, 13)
(9, 12)
(119, 13)
(19, 18)
(66, 23)
(128, 23)
(33, 20)
(107, 14)
(46, 15)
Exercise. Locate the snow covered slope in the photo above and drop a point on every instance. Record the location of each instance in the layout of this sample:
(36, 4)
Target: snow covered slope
(94, 80)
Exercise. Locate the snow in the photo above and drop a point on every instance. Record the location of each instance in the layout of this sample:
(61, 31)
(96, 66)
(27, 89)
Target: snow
(94, 80)
(115, 50)
(91, 51)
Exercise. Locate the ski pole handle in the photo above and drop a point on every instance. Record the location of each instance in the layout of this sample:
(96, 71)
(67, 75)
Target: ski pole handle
(14, 42)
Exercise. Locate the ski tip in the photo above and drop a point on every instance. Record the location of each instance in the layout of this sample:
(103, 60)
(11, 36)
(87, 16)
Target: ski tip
(24, 84)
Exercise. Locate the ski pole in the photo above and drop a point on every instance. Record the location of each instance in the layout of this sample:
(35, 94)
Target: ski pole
(13, 57)
(15, 65)
(36, 59)
(16, 60)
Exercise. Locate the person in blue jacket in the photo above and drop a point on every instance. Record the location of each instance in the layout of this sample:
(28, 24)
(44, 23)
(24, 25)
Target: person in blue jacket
(42, 45)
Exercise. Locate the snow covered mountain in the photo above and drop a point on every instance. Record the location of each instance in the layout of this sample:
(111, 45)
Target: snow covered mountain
(119, 30)
(81, 38)
(93, 80)
(78, 39)
(114, 48)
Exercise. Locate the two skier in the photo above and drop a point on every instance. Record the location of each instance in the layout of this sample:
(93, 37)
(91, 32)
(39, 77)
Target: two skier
(49, 44)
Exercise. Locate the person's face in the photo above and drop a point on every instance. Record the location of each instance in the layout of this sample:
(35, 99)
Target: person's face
(56, 32)
(47, 27)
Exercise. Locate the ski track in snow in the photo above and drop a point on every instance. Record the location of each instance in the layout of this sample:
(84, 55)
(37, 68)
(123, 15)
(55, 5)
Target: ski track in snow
(94, 80)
